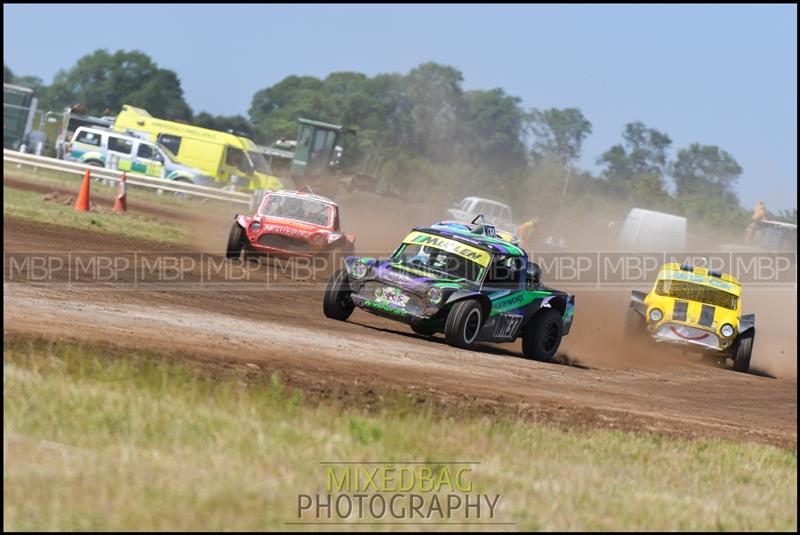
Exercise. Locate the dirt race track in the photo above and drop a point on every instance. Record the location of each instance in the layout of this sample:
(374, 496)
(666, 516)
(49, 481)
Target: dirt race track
(597, 382)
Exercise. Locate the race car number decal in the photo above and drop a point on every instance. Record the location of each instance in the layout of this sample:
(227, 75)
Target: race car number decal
(507, 325)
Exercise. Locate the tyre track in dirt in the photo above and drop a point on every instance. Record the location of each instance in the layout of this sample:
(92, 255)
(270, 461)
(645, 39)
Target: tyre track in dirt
(283, 329)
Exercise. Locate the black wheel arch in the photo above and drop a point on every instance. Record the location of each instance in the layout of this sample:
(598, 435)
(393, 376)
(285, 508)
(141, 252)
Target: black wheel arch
(747, 325)
(637, 302)
(461, 295)
(556, 302)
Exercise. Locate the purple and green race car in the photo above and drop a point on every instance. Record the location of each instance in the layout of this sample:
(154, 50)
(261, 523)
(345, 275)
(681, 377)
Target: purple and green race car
(463, 282)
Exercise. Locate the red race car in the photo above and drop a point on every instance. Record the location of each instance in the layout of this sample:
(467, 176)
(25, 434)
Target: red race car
(290, 224)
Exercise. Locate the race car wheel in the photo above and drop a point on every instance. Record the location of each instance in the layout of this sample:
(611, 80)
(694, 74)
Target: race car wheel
(741, 357)
(424, 330)
(541, 336)
(463, 323)
(337, 303)
(233, 251)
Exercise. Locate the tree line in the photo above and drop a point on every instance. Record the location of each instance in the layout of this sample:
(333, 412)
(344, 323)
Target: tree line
(432, 133)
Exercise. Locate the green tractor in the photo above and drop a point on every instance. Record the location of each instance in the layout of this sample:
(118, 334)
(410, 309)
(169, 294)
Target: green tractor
(315, 159)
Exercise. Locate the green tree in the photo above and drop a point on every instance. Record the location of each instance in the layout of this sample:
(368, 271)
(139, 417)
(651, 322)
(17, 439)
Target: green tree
(8, 75)
(350, 99)
(558, 134)
(705, 170)
(642, 154)
(103, 82)
(424, 115)
(495, 123)
(636, 168)
(433, 110)
(274, 111)
(704, 177)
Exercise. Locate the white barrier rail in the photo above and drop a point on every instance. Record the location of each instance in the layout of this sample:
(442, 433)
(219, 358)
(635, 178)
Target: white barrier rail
(133, 179)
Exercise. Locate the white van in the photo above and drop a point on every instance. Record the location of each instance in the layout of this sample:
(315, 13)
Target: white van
(495, 213)
(649, 231)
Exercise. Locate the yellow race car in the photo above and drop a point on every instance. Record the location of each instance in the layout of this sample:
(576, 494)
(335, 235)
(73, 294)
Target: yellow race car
(698, 308)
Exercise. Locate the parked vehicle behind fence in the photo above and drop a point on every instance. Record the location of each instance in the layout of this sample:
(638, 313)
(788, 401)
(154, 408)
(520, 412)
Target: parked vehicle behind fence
(105, 148)
(228, 158)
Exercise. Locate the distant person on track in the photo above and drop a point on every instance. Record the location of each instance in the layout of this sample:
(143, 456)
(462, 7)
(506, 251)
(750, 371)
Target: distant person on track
(527, 233)
(759, 214)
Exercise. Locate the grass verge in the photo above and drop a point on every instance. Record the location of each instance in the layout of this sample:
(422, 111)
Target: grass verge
(71, 181)
(30, 206)
(99, 439)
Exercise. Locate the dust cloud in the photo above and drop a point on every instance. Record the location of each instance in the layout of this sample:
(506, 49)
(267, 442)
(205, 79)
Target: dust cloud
(380, 222)
(775, 348)
(597, 337)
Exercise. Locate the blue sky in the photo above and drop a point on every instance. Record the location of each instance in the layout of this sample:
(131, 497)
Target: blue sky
(722, 75)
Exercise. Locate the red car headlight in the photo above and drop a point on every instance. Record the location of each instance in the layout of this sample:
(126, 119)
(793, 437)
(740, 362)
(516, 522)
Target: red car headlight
(318, 240)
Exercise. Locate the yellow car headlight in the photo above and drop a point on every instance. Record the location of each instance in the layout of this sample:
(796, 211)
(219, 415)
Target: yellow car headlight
(727, 330)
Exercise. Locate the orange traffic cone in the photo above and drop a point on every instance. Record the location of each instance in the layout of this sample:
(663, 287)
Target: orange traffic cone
(121, 204)
(82, 203)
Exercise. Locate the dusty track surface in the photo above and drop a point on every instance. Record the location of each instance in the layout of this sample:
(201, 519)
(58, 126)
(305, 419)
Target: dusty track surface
(596, 383)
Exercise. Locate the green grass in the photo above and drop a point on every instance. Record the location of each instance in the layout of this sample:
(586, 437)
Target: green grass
(61, 179)
(30, 206)
(101, 439)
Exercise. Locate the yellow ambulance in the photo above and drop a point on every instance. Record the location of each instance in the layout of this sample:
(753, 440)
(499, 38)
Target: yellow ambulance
(229, 158)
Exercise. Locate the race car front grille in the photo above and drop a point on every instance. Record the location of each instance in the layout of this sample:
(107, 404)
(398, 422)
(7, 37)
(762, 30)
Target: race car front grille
(706, 316)
(679, 310)
(283, 242)
(696, 292)
(393, 295)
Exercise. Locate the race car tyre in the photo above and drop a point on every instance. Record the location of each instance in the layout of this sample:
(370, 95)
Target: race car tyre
(463, 323)
(337, 303)
(95, 163)
(741, 357)
(541, 336)
(424, 330)
(233, 251)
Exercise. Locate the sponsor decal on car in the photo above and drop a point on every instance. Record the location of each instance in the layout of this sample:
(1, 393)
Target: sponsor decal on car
(391, 296)
(451, 246)
(700, 279)
(516, 300)
(384, 307)
(285, 230)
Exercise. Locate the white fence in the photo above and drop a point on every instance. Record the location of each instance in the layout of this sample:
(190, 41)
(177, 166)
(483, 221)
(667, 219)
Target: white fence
(133, 179)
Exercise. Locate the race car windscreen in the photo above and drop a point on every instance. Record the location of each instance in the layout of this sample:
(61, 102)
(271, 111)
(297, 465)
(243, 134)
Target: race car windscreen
(696, 292)
(298, 209)
(438, 262)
